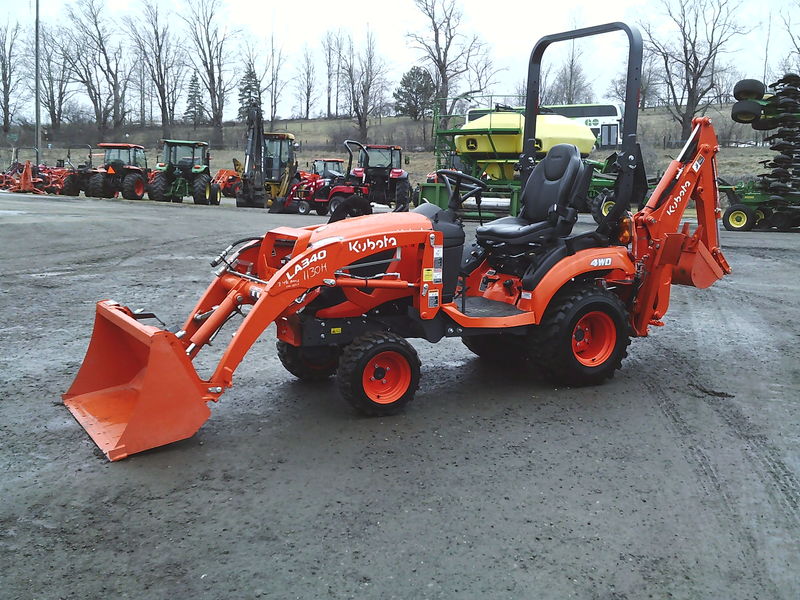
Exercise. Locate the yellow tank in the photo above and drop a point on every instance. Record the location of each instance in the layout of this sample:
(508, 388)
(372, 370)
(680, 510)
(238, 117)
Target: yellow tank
(505, 139)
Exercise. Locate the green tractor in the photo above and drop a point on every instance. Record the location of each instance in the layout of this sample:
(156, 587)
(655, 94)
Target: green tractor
(184, 171)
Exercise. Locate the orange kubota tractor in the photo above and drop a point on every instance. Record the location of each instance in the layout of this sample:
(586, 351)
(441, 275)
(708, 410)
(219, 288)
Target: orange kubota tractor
(345, 296)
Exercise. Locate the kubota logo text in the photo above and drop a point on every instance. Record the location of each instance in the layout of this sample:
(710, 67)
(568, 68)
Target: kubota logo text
(677, 199)
(305, 263)
(361, 246)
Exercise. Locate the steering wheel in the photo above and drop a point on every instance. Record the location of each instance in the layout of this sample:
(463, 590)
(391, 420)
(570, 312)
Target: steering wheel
(472, 185)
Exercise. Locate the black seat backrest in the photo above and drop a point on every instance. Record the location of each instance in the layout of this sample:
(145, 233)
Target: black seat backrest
(552, 182)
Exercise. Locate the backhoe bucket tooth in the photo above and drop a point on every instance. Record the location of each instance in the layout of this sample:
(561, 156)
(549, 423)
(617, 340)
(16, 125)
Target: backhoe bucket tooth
(697, 268)
(137, 388)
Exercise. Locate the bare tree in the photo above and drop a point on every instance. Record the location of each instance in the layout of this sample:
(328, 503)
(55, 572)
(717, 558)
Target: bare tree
(648, 83)
(691, 61)
(275, 82)
(445, 47)
(792, 62)
(364, 75)
(331, 50)
(55, 76)
(306, 83)
(481, 74)
(160, 52)
(571, 86)
(95, 56)
(211, 57)
(11, 72)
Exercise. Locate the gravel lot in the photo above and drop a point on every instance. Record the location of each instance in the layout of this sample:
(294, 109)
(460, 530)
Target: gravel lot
(677, 479)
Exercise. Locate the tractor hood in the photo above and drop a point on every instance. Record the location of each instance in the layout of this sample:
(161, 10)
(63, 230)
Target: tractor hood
(358, 227)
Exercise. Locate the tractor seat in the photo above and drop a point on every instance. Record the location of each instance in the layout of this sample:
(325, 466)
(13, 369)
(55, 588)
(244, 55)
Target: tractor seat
(546, 211)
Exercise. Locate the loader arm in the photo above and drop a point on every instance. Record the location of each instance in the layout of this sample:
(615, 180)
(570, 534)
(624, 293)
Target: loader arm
(663, 254)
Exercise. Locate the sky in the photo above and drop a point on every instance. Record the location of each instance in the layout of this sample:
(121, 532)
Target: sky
(509, 28)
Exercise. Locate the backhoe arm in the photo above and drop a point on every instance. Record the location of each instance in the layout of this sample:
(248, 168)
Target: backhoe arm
(664, 255)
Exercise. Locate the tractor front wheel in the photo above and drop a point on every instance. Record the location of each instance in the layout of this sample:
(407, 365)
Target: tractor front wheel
(601, 205)
(378, 373)
(213, 199)
(309, 364)
(133, 187)
(402, 195)
(303, 207)
(739, 217)
(583, 337)
(98, 186)
(71, 186)
(201, 189)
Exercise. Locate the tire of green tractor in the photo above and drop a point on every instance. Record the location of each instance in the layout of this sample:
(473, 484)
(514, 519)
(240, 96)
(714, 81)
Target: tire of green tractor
(601, 204)
(746, 111)
(213, 199)
(782, 221)
(582, 338)
(378, 373)
(762, 214)
(133, 186)
(322, 209)
(201, 189)
(71, 186)
(495, 348)
(97, 186)
(749, 89)
(739, 217)
(309, 364)
(764, 124)
(157, 189)
(402, 195)
(303, 208)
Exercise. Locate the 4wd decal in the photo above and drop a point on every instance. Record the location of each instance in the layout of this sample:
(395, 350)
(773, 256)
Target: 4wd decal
(601, 262)
(369, 245)
(306, 263)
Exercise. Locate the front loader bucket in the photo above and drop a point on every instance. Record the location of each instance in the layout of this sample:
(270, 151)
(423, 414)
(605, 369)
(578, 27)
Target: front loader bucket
(137, 388)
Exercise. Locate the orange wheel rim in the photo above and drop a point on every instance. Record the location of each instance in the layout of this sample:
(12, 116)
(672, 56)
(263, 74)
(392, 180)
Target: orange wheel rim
(594, 338)
(138, 187)
(386, 377)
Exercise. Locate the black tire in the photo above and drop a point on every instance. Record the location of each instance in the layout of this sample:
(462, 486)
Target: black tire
(402, 195)
(309, 364)
(369, 358)
(158, 188)
(213, 199)
(762, 214)
(201, 189)
(98, 186)
(322, 209)
(133, 186)
(303, 208)
(749, 89)
(71, 187)
(602, 203)
(764, 124)
(739, 217)
(746, 111)
(495, 348)
(334, 202)
(582, 338)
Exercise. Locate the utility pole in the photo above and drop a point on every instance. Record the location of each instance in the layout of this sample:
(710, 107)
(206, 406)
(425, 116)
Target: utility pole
(37, 92)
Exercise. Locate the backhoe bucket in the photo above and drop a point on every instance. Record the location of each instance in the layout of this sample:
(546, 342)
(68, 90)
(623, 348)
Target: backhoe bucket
(697, 268)
(137, 388)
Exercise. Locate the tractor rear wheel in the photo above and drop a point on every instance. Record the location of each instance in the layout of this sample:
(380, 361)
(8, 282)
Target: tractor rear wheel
(335, 202)
(309, 364)
(98, 186)
(158, 188)
(739, 217)
(133, 186)
(378, 373)
(322, 209)
(71, 186)
(201, 189)
(749, 89)
(583, 336)
(746, 111)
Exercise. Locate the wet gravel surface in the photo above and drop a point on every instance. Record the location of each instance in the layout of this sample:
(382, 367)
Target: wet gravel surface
(679, 478)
